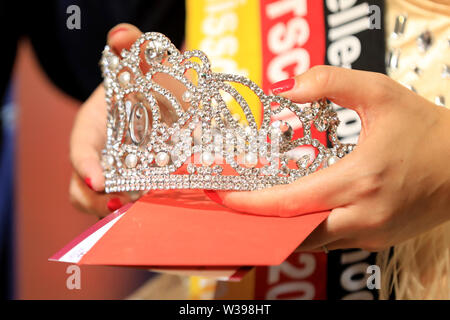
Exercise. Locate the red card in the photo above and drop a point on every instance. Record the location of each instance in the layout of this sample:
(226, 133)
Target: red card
(185, 228)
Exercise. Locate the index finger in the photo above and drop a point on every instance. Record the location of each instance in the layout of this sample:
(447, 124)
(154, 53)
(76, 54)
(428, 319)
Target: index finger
(348, 88)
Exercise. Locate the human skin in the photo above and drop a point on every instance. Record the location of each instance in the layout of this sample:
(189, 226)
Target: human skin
(395, 185)
(88, 138)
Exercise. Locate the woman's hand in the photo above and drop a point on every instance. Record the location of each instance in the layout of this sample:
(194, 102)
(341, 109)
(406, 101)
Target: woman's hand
(392, 187)
(88, 138)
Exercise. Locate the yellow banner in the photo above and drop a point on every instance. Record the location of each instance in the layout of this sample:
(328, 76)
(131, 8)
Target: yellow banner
(228, 31)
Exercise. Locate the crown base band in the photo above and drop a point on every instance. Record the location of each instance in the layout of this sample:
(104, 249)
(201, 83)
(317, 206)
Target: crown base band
(186, 181)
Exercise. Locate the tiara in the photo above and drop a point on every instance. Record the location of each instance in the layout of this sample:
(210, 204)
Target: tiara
(160, 139)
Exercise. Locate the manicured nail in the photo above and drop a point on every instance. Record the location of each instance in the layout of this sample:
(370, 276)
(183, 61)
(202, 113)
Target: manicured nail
(88, 183)
(213, 196)
(282, 86)
(114, 204)
(116, 31)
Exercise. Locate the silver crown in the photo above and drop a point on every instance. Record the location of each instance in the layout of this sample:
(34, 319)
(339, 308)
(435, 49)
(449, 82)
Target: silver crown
(157, 139)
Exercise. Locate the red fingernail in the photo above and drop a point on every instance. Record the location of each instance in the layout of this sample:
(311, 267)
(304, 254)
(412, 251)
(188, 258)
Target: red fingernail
(88, 183)
(116, 30)
(282, 86)
(114, 204)
(213, 196)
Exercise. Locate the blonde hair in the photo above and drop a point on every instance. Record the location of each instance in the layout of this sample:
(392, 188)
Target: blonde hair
(418, 268)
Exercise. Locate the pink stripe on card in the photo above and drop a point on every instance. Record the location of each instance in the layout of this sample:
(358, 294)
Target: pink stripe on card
(90, 231)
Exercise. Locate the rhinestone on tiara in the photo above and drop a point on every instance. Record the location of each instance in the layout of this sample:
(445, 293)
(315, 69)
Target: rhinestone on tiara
(189, 138)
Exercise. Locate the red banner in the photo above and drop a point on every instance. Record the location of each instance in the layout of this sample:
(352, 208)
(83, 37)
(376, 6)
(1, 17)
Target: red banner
(293, 40)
